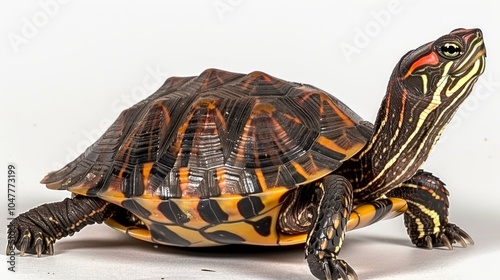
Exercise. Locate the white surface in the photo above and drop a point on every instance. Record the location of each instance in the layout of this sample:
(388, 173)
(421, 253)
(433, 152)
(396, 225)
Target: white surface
(81, 63)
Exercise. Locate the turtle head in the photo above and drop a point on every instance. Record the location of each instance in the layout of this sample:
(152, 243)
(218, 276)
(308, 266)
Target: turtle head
(442, 73)
(425, 90)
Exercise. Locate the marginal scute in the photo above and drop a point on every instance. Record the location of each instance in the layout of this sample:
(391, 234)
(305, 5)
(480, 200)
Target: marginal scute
(133, 185)
(250, 206)
(262, 226)
(211, 212)
(164, 183)
(171, 210)
(163, 235)
(224, 237)
(135, 208)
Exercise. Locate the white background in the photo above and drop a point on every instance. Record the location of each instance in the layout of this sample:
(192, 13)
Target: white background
(69, 67)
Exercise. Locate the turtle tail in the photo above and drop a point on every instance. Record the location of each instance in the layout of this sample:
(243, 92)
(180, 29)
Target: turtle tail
(36, 231)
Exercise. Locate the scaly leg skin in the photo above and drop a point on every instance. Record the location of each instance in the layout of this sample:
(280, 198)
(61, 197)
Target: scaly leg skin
(327, 231)
(426, 219)
(36, 231)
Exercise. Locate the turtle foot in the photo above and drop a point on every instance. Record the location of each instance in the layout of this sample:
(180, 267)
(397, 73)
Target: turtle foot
(28, 238)
(331, 269)
(450, 235)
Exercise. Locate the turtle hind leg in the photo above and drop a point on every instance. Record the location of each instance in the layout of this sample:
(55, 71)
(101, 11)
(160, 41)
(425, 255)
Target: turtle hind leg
(328, 228)
(426, 219)
(36, 231)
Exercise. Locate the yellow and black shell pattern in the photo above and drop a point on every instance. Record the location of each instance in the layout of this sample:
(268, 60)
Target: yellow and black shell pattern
(209, 160)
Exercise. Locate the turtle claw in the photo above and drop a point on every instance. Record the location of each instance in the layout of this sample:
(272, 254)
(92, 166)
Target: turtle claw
(25, 241)
(38, 249)
(446, 241)
(428, 241)
(38, 244)
(460, 240)
(456, 234)
(342, 269)
(463, 235)
(350, 274)
(50, 246)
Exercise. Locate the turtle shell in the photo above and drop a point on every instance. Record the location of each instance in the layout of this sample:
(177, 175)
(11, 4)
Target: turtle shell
(208, 160)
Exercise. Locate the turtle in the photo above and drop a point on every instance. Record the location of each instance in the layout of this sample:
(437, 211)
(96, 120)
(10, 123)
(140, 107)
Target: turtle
(228, 158)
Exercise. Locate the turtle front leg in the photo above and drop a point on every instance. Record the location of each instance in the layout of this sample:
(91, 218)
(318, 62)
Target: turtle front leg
(36, 231)
(328, 228)
(426, 219)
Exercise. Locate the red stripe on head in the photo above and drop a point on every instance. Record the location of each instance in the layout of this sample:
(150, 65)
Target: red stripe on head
(466, 38)
(430, 59)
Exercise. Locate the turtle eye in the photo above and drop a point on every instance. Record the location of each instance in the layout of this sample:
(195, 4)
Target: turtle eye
(450, 50)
